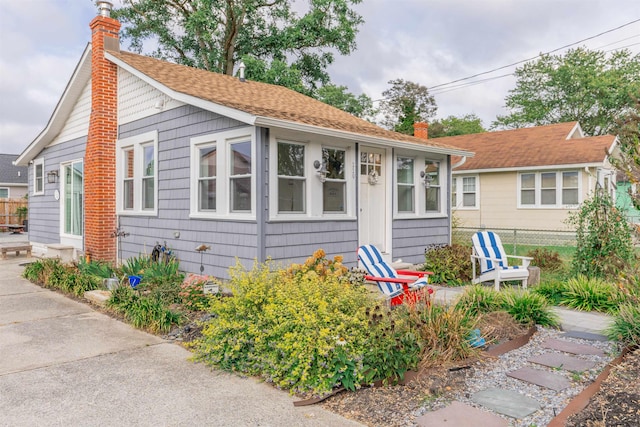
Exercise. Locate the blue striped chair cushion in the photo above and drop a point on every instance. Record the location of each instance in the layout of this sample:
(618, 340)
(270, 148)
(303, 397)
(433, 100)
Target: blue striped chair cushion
(488, 244)
(372, 261)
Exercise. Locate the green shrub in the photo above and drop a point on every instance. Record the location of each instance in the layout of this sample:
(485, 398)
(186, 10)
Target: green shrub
(527, 307)
(479, 299)
(34, 271)
(160, 280)
(51, 273)
(305, 329)
(603, 238)
(546, 259)
(451, 265)
(142, 312)
(591, 294)
(100, 269)
(626, 325)
(552, 290)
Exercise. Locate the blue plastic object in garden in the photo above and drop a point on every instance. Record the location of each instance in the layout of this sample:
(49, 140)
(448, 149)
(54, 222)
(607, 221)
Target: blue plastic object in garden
(134, 281)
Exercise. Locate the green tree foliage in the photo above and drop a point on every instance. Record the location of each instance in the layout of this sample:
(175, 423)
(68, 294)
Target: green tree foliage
(628, 163)
(406, 103)
(215, 34)
(452, 126)
(591, 87)
(603, 239)
(337, 96)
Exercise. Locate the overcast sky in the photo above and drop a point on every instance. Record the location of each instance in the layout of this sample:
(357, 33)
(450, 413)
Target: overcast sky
(430, 42)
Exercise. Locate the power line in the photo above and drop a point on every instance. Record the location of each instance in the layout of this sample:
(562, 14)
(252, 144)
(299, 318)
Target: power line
(535, 57)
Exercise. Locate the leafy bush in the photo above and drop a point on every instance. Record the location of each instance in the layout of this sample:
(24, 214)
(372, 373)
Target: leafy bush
(51, 273)
(528, 308)
(100, 269)
(142, 312)
(552, 290)
(591, 294)
(626, 325)
(523, 305)
(479, 299)
(451, 265)
(305, 329)
(160, 280)
(546, 259)
(603, 238)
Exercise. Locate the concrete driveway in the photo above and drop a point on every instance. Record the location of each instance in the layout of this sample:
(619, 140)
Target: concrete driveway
(64, 364)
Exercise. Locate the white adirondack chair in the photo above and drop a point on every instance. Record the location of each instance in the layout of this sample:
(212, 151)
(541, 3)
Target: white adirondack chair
(489, 253)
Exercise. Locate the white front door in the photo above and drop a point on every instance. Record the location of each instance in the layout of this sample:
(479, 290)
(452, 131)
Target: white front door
(373, 198)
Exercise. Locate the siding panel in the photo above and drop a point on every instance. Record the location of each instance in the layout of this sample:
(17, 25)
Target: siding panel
(228, 239)
(412, 236)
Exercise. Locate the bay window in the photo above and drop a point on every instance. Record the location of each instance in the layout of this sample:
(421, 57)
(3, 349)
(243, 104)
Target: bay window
(240, 176)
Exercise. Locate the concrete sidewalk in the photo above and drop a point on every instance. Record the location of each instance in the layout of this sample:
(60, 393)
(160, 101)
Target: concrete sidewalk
(64, 364)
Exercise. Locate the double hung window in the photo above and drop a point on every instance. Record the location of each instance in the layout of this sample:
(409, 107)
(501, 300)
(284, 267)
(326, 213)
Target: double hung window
(549, 189)
(464, 192)
(291, 178)
(406, 185)
(222, 170)
(137, 176)
(38, 176)
(335, 184)
(432, 186)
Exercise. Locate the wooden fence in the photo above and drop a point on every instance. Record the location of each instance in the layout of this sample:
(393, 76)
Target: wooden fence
(9, 211)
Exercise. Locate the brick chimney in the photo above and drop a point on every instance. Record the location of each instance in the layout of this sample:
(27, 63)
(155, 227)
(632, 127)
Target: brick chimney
(100, 156)
(421, 130)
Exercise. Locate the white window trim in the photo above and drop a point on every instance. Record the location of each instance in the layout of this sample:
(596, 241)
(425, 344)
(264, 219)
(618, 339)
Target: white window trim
(37, 162)
(459, 179)
(222, 141)
(137, 143)
(420, 193)
(558, 188)
(313, 193)
(8, 192)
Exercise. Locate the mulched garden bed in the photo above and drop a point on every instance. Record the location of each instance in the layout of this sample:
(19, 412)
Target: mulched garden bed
(617, 403)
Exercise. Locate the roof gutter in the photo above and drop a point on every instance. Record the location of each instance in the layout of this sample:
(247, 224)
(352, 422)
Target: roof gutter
(531, 168)
(334, 133)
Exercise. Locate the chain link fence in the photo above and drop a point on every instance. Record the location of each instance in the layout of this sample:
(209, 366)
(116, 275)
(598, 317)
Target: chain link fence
(512, 238)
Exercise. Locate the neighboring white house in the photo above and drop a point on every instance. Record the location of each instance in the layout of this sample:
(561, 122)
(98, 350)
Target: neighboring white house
(528, 178)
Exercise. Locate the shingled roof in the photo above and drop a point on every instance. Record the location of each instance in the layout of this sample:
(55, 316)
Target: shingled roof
(260, 99)
(10, 174)
(551, 145)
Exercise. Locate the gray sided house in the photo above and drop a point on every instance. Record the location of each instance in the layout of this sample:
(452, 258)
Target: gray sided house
(256, 171)
(13, 179)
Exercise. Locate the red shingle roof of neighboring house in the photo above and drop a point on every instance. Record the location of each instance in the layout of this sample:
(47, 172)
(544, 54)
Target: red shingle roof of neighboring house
(260, 99)
(531, 147)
